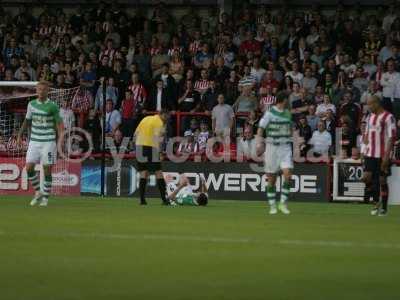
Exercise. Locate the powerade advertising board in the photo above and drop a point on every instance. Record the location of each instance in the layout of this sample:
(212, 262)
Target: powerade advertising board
(236, 181)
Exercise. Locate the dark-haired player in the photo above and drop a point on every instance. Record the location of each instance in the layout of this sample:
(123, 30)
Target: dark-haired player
(378, 139)
(183, 193)
(277, 124)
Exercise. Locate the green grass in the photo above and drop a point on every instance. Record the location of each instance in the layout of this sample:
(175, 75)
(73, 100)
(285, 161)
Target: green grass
(114, 249)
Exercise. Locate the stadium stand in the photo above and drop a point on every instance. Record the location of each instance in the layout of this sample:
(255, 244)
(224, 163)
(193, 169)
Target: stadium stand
(328, 60)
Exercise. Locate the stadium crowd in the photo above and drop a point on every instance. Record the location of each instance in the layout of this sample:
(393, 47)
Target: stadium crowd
(219, 72)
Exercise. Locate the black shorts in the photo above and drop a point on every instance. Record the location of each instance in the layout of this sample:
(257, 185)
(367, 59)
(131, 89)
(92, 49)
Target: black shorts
(148, 158)
(373, 165)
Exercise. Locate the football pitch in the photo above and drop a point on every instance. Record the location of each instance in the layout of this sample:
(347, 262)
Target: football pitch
(91, 248)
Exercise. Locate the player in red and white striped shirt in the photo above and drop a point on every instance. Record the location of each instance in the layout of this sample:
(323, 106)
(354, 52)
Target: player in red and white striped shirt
(378, 139)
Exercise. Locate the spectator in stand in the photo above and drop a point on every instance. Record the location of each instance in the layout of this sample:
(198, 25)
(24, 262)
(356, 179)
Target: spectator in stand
(252, 121)
(396, 101)
(390, 79)
(188, 102)
(139, 93)
(25, 68)
(322, 108)
(321, 140)
(250, 45)
(348, 136)
(301, 105)
(81, 104)
(269, 81)
(350, 109)
(209, 99)
(113, 118)
(295, 74)
(104, 70)
(230, 88)
(309, 82)
(177, 67)
(257, 71)
(247, 79)
(312, 118)
(247, 143)
(111, 94)
(202, 56)
(267, 99)
(359, 81)
(12, 50)
(373, 90)
(60, 81)
(202, 85)
(169, 83)
(223, 118)
(203, 136)
(67, 115)
(244, 104)
(88, 77)
(129, 117)
(295, 94)
(93, 126)
(189, 144)
(160, 98)
(221, 72)
(305, 132)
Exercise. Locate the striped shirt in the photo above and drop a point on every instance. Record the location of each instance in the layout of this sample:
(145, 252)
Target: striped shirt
(380, 128)
(277, 125)
(194, 47)
(202, 85)
(266, 102)
(45, 116)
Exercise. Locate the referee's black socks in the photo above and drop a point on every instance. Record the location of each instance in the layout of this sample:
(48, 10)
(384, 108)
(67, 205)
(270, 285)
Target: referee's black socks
(142, 190)
(162, 187)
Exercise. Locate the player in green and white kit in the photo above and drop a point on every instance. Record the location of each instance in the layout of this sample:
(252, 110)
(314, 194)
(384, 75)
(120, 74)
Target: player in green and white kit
(183, 193)
(277, 126)
(43, 119)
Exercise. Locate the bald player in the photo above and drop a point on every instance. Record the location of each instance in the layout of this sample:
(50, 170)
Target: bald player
(378, 140)
(149, 135)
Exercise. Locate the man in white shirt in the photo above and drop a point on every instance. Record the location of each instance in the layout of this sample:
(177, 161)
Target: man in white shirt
(321, 140)
(389, 81)
(67, 116)
(295, 74)
(257, 71)
(113, 118)
(325, 106)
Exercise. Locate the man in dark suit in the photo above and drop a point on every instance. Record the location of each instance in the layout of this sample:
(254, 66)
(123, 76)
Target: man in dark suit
(160, 100)
(170, 85)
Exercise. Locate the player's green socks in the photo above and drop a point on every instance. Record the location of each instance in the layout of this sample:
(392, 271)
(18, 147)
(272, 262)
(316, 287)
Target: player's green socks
(33, 177)
(271, 195)
(47, 185)
(285, 191)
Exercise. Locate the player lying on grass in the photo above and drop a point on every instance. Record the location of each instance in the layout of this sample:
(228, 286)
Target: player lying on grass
(44, 121)
(184, 194)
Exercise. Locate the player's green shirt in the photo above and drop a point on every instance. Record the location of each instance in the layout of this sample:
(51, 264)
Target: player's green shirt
(45, 117)
(187, 199)
(277, 125)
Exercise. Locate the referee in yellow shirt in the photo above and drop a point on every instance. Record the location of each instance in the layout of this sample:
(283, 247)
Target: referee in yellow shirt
(149, 135)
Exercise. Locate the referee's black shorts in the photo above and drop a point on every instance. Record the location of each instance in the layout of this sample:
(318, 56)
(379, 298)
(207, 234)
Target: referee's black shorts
(148, 158)
(373, 165)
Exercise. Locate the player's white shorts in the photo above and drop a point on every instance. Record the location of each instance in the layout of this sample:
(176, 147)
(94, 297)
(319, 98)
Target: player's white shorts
(278, 157)
(42, 152)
